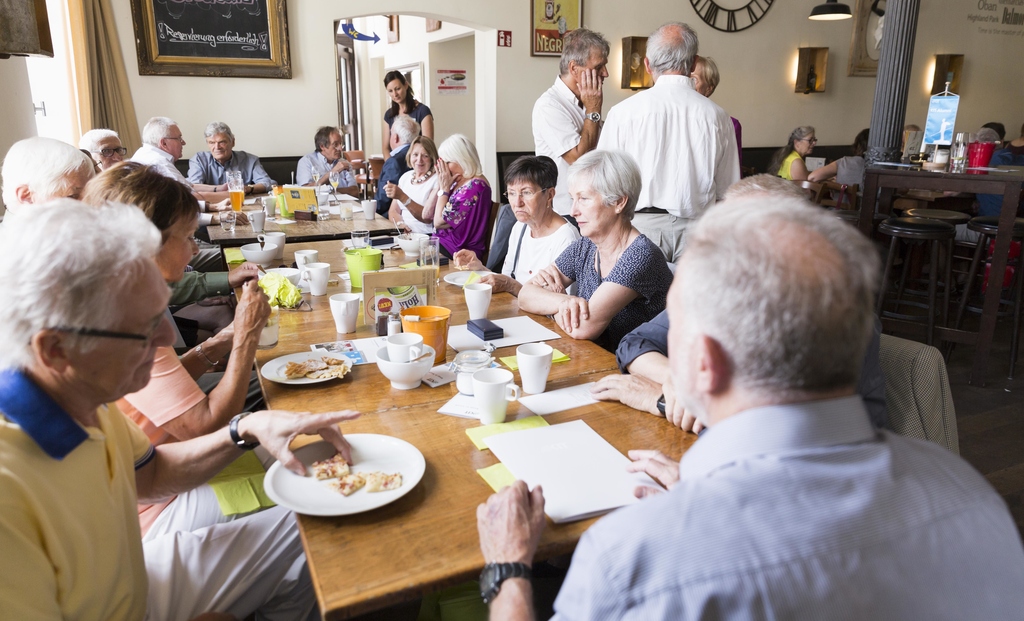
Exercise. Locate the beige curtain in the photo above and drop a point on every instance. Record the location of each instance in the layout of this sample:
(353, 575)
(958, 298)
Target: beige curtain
(100, 80)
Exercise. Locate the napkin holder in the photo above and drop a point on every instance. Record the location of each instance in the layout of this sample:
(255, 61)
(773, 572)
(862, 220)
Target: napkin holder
(485, 329)
(309, 216)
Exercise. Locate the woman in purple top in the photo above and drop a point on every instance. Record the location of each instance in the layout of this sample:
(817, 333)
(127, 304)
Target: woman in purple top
(464, 197)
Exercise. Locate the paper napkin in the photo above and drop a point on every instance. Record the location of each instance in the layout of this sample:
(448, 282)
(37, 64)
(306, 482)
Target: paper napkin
(497, 476)
(233, 256)
(477, 434)
(556, 356)
(239, 487)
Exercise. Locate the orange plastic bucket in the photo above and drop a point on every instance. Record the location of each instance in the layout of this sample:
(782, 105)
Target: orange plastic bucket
(430, 322)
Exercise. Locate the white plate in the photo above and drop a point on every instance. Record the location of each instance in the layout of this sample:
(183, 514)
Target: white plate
(274, 370)
(370, 452)
(459, 278)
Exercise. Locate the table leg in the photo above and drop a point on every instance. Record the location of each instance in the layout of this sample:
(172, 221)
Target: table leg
(1007, 214)
(868, 204)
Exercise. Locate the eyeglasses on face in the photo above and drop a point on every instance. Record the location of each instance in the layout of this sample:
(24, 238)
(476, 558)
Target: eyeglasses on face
(180, 139)
(525, 194)
(111, 334)
(110, 151)
(810, 140)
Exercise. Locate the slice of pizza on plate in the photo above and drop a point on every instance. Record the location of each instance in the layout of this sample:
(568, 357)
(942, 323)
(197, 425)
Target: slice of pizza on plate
(349, 484)
(383, 482)
(332, 468)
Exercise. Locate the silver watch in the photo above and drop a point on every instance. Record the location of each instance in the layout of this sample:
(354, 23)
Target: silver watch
(594, 116)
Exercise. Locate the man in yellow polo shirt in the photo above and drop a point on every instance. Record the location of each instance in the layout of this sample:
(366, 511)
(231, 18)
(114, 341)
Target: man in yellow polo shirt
(79, 326)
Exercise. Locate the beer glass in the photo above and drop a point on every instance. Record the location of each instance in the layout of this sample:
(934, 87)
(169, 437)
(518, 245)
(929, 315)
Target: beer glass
(236, 188)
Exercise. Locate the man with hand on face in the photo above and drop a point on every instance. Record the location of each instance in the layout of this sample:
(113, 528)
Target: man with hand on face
(315, 168)
(212, 166)
(567, 116)
(791, 506)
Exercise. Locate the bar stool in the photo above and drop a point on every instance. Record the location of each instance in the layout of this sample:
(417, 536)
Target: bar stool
(914, 230)
(956, 218)
(988, 226)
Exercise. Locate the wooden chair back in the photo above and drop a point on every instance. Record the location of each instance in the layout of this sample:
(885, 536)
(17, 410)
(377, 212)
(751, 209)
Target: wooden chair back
(491, 219)
(813, 190)
(839, 195)
(373, 174)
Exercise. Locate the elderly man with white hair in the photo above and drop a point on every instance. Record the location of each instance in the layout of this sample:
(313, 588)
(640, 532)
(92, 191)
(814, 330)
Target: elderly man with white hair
(37, 170)
(211, 167)
(791, 506)
(685, 143)
(81, 323)
(105, 147)
(404, 129)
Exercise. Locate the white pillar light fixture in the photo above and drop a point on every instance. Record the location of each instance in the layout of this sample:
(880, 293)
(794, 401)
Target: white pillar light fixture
(831, 10)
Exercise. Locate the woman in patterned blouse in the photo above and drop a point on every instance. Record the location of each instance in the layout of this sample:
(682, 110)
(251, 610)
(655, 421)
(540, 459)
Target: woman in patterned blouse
(620, 275)
(464, 197)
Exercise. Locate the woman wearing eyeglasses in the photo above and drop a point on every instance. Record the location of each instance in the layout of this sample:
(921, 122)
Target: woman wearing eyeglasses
(788, 162)
(539, 234)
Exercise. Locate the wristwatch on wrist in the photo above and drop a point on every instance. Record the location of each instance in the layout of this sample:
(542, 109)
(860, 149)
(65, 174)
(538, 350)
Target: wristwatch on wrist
(248, 189)
(661, 404)
(495, 573)
(441, 193)
(594, 116)
(237, 439)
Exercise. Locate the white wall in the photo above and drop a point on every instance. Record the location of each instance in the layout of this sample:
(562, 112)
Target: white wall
(454, 114)
(18, 120)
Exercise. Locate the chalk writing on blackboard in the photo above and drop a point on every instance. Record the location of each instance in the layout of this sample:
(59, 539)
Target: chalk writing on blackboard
(213, 28)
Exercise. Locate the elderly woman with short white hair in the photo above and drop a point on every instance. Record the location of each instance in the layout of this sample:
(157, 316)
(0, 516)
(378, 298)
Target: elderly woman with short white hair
(620, 275)
(464, 198)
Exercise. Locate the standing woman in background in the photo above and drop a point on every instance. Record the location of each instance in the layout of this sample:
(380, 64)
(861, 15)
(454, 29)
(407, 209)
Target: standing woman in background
(403, 102)
(788, 162)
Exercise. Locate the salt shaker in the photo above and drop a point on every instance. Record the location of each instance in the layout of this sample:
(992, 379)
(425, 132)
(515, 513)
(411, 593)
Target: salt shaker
(394, 324)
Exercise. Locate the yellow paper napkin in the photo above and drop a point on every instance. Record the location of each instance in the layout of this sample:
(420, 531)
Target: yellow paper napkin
(239, 487)
(497, 476)
(233, 256)
(556, 356)
(409, 266)
(473, 277)
(477, 434)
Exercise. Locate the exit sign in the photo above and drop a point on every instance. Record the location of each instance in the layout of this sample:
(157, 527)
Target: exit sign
(504, 38)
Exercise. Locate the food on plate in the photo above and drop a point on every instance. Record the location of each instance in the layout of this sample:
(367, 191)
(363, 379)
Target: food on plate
(349, 484)
(322, 368)
(383, 482)
(332, 468)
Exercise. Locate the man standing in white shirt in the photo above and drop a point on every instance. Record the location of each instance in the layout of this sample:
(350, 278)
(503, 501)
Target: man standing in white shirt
(685, 144)
(567, 116)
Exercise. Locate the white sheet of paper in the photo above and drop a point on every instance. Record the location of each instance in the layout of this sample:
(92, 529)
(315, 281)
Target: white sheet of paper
(814, 163)
(439, 376)
(368, 347)
(518, 330)
(582, 474)
(249, 201)
(463, 406)
(558, 400)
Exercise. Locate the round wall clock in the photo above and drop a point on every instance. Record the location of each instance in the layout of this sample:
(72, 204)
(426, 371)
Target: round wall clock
(743, 16)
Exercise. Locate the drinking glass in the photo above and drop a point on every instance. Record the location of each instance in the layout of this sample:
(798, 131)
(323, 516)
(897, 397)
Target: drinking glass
(335, 178)
(958, 154)
(430, 255)
(236, 188)
(227, 221)
(360, 238)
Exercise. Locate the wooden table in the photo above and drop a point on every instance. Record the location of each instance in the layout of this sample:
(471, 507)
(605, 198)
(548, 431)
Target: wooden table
(303, 230)
(427, 540)
(880, 185)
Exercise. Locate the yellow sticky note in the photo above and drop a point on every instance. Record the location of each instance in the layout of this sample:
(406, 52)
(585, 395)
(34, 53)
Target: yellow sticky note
(477, 434)
(497, 476)
(409, 266)
(473, 277)
(233, 256)
(556, 356)
(239, 486)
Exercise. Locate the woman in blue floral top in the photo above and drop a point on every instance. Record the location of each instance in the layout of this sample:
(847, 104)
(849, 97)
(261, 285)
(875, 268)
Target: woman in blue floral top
(464, 197)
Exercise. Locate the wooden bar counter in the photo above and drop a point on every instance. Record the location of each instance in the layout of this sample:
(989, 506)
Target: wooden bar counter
(427, 540)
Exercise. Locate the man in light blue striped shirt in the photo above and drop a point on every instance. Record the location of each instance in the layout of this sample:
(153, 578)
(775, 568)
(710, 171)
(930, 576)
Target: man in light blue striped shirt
(790, 506)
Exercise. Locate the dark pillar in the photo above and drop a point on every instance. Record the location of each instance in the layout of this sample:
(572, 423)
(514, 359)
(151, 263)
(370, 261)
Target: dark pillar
(890, 107)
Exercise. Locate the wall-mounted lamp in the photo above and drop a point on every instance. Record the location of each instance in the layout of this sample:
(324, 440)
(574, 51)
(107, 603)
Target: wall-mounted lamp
(831, 10)
(948, 69)
(634, 74)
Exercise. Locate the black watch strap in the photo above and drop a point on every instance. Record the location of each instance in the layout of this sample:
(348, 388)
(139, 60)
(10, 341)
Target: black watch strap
(661, 404)
(495, 573)
(237, 439)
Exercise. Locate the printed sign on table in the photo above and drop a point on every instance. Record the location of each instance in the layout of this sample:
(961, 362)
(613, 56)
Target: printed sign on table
(938, 129)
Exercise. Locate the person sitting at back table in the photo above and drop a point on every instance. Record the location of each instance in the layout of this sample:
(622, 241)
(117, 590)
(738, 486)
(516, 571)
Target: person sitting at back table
(998, 128)
(104, 147)
(847, 170)
(621, 276)
(162, 146)
(792, 506)
(1011, 155)
(788, 161)
(404, 130)
(211, 167)
(37, 170)
(414, 197)
(315, 168)
(463, 203)
(539, 235)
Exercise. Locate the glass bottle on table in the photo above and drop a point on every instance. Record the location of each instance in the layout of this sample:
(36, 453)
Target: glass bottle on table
(958, 153)
(236, 189)
(430, 255)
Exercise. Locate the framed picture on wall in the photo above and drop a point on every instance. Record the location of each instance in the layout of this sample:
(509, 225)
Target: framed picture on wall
(866, 45)
(244, 40)
(392, 29)
(550, 21)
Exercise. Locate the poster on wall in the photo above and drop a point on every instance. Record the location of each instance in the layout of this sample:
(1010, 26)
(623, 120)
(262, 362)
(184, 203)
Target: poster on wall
(451, 81)
(550, 21)
(938, 129)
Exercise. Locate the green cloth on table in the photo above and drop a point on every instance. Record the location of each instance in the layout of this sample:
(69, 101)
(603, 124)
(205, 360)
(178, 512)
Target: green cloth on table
(556, 356)
(195, 286)
(477, 434)
(239, 487)
(233, 256)
(497, 476)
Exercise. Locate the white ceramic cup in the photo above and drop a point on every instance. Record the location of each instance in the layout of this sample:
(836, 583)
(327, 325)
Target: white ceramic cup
(257, 219)
(305, 257)
(534, 360)
(478, 299)
(345, 308)
(492, 390)
(317, 275)
(276, 237)
(404, 347)
(270, 205)
(369, 210)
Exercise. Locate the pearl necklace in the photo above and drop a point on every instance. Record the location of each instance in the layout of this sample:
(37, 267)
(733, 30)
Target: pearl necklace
(423, 177)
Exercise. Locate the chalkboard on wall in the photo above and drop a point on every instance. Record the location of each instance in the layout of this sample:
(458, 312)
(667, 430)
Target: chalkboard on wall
(221, 38)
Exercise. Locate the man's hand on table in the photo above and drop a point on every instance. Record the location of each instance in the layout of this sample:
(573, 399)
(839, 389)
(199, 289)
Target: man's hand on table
(663, 469)
(275, 430)
(510, 524)
(636, 391)
(242, 274)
